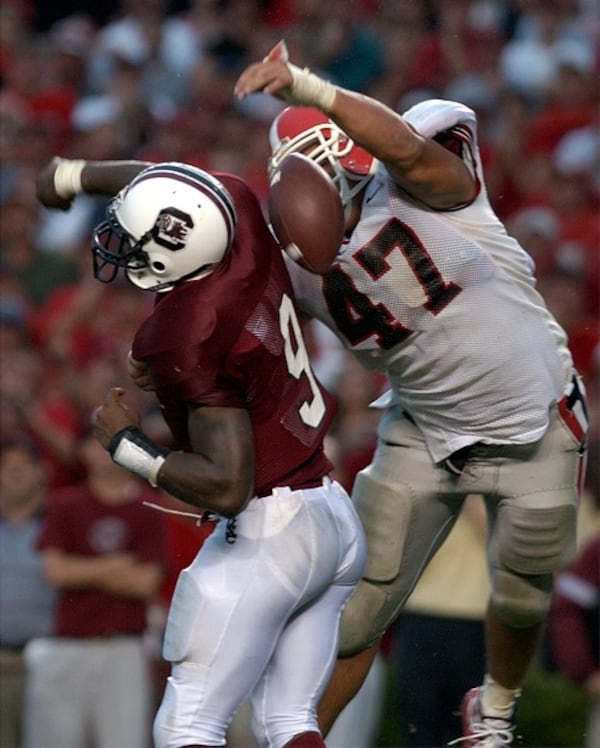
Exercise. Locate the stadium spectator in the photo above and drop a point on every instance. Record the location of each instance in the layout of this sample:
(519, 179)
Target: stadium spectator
(573, 629)
(353, 431)
(547, 36)
(38, 273)
(339, 43)
(564, 289)
(26, 598)
(106, 555)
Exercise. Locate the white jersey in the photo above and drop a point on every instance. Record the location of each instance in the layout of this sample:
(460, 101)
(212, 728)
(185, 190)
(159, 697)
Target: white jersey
(444, 303)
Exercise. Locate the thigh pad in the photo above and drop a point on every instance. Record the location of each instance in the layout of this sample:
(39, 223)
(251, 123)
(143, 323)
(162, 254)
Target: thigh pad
(385, 513)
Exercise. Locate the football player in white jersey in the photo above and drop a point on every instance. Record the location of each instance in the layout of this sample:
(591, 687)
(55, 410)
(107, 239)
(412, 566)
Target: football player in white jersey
(431, 290)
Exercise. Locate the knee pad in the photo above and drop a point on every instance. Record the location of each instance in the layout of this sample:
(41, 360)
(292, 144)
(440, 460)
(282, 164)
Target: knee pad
(364, 619)
(521, 601)
(535, 541)
(529, 544)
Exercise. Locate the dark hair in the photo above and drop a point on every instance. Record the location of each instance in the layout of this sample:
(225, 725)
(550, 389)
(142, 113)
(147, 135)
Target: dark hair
(23, 443)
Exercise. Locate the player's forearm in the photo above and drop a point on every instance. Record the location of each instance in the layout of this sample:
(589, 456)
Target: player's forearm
(419, 165)
(375, 127)
(62, 179)
(108, 177)
(221, 486)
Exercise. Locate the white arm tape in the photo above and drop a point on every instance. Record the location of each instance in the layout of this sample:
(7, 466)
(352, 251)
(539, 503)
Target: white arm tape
(154, 468)
(67, 177)
(310, 90)
(133, 450)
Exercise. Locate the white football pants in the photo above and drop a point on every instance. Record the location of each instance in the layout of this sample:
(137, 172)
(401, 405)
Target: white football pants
(259, 616)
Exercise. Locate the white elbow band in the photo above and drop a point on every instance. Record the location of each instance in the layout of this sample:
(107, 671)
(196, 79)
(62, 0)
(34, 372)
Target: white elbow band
(67, 177)
(310, 90)
(132, 449)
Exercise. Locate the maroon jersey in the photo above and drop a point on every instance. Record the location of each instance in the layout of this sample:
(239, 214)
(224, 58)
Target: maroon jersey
(232, 339)
(77, 524)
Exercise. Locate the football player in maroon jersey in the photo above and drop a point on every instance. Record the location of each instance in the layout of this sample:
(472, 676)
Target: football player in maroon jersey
(256, 614)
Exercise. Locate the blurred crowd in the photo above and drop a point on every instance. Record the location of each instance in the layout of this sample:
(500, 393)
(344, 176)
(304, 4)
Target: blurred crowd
(153, 80)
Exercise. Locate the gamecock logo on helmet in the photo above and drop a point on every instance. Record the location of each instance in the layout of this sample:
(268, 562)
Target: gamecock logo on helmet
(172, 228)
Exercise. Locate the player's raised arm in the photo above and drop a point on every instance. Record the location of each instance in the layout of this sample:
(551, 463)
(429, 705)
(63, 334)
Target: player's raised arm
(421, 166)
(62, 179)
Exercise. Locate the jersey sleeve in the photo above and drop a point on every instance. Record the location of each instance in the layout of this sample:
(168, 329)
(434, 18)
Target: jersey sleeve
(431, 117)
(454, 126)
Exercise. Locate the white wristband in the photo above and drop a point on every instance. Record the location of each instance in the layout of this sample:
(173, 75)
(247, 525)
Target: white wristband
(133, 450)
(310, 90)
(67, 177)
(157, 463)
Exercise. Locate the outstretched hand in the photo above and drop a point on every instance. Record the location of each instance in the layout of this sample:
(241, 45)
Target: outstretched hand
(113, 416)
(45, 189)
(271, 75)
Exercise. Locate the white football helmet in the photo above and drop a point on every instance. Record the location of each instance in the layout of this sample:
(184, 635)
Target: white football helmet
(307, 130)
(172, 222)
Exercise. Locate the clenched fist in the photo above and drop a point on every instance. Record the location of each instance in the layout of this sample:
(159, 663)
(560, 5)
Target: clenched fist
(113, 416)
(46, 190)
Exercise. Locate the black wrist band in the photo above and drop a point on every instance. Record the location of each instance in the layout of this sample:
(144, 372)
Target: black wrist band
(133, 450)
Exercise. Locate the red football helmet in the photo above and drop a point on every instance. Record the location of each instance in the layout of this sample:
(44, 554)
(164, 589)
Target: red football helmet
(309, 131)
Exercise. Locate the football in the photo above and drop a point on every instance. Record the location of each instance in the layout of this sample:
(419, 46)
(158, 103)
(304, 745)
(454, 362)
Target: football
(306, 213)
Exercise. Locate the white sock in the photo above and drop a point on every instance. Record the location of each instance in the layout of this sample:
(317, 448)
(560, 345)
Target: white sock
(497, 701)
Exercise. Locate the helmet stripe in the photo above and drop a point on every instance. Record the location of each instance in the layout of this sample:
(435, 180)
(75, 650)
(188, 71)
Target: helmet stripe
(202, 181)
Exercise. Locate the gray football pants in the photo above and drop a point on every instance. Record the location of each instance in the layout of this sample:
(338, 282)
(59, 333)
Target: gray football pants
(408, 505)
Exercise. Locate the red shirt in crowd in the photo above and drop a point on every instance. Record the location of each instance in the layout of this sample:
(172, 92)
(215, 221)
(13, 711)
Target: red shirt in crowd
(78, 524)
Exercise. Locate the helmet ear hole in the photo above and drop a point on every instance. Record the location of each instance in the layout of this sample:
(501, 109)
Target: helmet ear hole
(162, 264)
